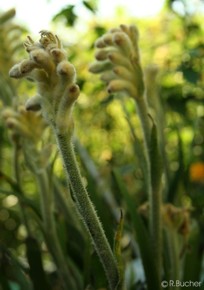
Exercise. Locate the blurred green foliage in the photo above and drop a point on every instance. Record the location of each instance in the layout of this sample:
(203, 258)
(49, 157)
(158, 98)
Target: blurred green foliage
(107, 128)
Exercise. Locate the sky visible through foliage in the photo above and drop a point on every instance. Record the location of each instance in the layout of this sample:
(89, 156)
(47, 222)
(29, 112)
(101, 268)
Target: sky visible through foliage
(37, 14)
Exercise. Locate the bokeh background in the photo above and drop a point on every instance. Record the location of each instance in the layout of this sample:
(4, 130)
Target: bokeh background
(172, 55)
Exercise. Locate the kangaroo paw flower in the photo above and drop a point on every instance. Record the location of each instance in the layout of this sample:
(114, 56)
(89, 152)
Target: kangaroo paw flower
(55, 78)
(118, 61)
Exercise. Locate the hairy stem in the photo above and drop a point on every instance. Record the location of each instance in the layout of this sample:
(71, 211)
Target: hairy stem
(86, 210)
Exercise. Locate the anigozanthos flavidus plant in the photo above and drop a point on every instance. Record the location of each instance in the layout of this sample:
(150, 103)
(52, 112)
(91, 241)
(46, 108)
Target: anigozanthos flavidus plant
(57, 92)
(118, 63)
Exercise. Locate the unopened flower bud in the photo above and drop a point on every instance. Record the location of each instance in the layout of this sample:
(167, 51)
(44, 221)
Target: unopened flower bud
(123, 73)
(42, 58)
(74, 92)
(101, 54)
(15, 71)
(118, 59)
(123, 42)
(108, 76)
(113, 30)
(7, 113)
(10, 123)
(125, 28)
(119, 85)
(26, 66)
(100, 43)
(67, 71)
(98, 67)
(34, 103)
(108, 39)
(58, 55)
(134, 35)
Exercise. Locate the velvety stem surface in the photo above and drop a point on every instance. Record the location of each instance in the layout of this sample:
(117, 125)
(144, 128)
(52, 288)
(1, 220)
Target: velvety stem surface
(86, 210)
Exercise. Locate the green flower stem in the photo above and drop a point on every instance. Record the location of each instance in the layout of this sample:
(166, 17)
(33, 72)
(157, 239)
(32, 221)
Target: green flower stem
(86, 210)
(101, 185)
(154, 195)
(47, 209)
(173, 253)
(17, 177)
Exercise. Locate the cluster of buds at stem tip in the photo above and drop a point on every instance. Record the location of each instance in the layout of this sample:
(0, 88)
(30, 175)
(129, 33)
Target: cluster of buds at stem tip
(118, 61)
(26, 124)
(55, 77)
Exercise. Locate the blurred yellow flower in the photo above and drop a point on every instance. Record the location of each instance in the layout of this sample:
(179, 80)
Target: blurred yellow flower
(196, 172)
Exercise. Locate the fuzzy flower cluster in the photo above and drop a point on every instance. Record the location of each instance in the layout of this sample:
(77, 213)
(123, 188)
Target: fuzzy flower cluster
(26, 124)
(55, 77)
(27, 129)
(118, 61)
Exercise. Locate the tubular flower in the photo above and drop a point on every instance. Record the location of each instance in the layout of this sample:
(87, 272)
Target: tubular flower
(118, 61)
(25, 124)
(55, 77)
(27, 129)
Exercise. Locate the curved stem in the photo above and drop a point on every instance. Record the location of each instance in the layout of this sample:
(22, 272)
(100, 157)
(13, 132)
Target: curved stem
(86, 210)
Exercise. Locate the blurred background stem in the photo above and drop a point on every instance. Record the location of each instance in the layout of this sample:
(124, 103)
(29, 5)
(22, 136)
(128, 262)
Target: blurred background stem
(154, 194)
(47, 209)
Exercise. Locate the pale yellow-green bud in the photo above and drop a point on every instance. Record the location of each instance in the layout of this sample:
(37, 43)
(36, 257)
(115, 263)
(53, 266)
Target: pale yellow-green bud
(11, 123)
(122, 85)
(113, 30)
(125, 28)
(108, 76)
(123, 73)
(118, 59)
(102, 54)
(67, 71)
(27, 66)
(134, 35)
(58, 55)
(15, 71)
(98, 67)
(7, 113)
(42, 58)
(108, 39)
(123, 42)
(33, 103)
(100, 43)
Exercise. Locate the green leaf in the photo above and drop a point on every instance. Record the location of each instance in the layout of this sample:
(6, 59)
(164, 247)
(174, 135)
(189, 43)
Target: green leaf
(142, 236)
(34, 256)
(67, 13)
(12, 270)
(156, 161)
(90, 5)
(7, 15)
(193, 258)
(117, 247)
